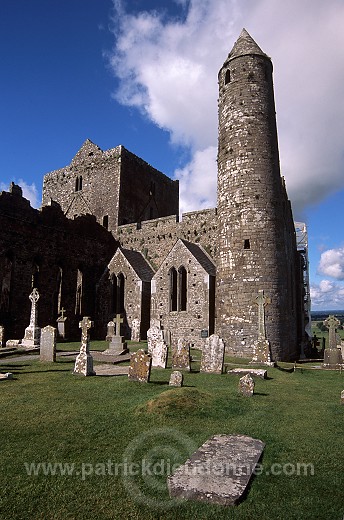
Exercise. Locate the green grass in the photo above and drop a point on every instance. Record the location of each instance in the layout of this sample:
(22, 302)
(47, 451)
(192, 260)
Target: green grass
(50, 415)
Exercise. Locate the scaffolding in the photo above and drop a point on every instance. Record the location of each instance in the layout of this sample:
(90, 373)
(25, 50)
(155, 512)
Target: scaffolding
(302, 247)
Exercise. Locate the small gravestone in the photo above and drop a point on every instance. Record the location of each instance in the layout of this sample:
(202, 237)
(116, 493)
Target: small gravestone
(140, 366)
(61, 325)
(48, 344)
(84, 361)
(261, 353)
(332, 355)
(135, 330)
(111, 326)
(219, 471)
(32, 334)
(117, 345)
(181, 355)
(213, 355)
(176, 379)
(246, 386)
(2, 336)
(342, 397)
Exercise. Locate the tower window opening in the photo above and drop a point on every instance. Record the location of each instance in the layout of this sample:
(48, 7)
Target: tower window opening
(78, 183)
(227, 76)
(247, 244)
(106, 221)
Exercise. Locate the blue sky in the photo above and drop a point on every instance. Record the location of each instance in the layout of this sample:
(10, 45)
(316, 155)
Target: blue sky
(144, 74)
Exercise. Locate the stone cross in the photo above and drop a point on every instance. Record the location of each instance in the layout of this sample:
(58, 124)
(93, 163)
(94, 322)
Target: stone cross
(332, 323)
(85, 325)
(118, 320)
(34, 297)
(62, 311)
(261, 301)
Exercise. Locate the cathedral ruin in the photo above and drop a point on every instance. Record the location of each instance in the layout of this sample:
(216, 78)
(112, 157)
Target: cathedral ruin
(108, 238)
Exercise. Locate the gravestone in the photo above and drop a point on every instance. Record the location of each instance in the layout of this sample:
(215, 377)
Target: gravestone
(258, 372)
(176, 379)
(32, 334)
(84, 361)
(159, 354)
(111, 330)
(117, 345)
(61, 325)
(140, 366)
(342, 397)
(181, 355)
(213, 355)
(246, 386)
(135, 330)
(48, 344)
(2, 336)
(219, 471)
(261, 347)
(154, 337)
(332, 355)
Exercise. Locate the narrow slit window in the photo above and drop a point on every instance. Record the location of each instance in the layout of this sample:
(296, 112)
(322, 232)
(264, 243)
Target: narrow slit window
(227, 77)
(173, 289)
(247, 244)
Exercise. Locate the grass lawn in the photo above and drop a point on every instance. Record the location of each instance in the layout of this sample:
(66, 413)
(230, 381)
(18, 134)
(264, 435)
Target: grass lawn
(101, 428)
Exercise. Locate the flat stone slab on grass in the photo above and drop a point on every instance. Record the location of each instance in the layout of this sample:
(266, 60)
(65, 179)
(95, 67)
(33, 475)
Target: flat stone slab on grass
(110, 370)
(252, 371)
(108, 358)
(4, 377)
(219, 471)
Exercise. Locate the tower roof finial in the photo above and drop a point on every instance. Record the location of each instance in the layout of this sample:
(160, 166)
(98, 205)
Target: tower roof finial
(244, 45)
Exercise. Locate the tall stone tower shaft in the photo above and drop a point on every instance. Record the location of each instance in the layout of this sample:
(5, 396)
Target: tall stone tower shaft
(256, 243)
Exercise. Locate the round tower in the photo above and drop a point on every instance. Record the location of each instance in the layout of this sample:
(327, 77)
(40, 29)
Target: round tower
(256, 250)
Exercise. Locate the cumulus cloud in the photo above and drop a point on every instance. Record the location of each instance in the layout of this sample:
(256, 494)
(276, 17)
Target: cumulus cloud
(167, 68)
(332, 263)
(30, 191)
(327, 295)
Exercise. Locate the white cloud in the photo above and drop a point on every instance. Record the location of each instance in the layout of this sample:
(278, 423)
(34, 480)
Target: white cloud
(168, 70)
(30, 191)
(332, 263)
(327, 295)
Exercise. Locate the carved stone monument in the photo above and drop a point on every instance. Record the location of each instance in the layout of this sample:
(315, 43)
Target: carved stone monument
(61, 325)
(261, 347)
(246, 386)
(32, 332)
(117, 345)
(48, 344)
(84, 360)
(213, 355)
(154, 336)
(332, 355)
(159, 354)
(140, 366)
(176, 379)
(181, 355)
(111, 331)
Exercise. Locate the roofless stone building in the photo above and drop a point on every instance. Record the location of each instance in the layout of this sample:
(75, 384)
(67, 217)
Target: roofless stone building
(108, 238)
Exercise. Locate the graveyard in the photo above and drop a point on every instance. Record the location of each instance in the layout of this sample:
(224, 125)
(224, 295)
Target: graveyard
(89, 428)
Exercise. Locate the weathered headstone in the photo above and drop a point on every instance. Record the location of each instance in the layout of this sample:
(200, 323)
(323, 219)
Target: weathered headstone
(135, 330)
(48, 344)
(2, 335)
(61, 325)
(181, 355)
(261, 347)
(111, 331)
(213, 355)
(332, 355)
(117, 345)
(5, 377)
(258, 372)
(246, 386)
(32, 334)
(140, 366)
(342, 397)
(84, 361)
(219, 471)
(154, 336)
(176, 379)
(159, 354)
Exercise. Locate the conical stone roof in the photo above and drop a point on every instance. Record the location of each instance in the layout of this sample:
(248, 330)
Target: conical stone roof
(245, 45)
